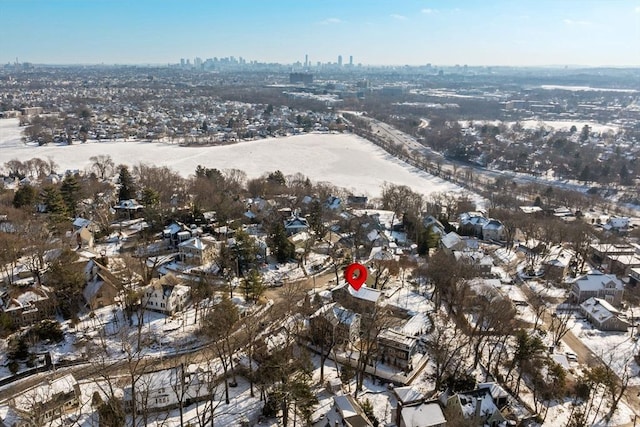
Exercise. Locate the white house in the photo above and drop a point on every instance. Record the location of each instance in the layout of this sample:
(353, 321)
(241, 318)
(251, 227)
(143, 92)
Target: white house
(42, 404)
(164, 389)
(197, 250)
(616, 223)
(603, 315)
(599, 285)
(494, 230)
(164, 296)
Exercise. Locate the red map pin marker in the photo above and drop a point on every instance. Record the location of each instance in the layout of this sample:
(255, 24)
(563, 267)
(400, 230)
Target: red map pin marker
(356, 281)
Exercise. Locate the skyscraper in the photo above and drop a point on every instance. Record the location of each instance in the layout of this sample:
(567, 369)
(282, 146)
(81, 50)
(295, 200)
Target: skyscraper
(306, 61)
(350, 60)
(339, 60)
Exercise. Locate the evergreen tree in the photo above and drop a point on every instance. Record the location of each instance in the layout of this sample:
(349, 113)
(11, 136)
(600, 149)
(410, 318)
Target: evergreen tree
(315, 220)
(150, 197)
(52, 199)
(252, 286)
(127, 186)
(70, 191)
(245, 251)
(276, 177)
(24, 197)
(280, 245)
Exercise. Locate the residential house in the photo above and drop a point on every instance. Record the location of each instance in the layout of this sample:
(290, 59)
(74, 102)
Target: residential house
(603, 315)
(362, 301)
(427, 414)
(43, 404)
(477, 407)
(333, 203)
(431, 223)
(165, 295)
(531, 209)
(480, 261)
(163, 390)
(357, 202)
(82, 233)
(599, 285)
(102, 286)
(396, 348)
(617, 224)
(621, 264)
(451, 242)
(471, 224)
(634, 276)
(494, 230)
(557, 262)
(414, 411)
(598, 252)
(198, 250)
(176, 233)
(350, 411)
(295, 224)
(27, 306)
(343, 324)
(129, 209)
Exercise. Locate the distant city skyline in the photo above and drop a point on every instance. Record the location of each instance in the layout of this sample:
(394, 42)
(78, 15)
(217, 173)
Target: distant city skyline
(373, 32)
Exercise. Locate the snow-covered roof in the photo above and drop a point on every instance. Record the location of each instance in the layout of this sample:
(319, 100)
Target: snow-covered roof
(597, 280)
(336, 314)
(398, 338)
(81, 222)
(468, 404)
(194, 243)
(599, 309)
(530, 209)
(493, 224)
(451, 239)
(44, 392)
(365, 293)
(408, 394)
(425, 415)
(558, 256)
(496, 391)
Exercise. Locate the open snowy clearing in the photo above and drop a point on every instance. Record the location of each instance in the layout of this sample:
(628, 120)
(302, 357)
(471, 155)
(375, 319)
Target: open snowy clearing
(345, 160)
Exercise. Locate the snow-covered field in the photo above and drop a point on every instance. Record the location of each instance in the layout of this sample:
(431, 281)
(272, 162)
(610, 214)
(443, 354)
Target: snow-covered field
(566, 125)
(345, 160)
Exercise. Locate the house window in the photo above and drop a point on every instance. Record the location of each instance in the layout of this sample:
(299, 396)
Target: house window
(162, 304)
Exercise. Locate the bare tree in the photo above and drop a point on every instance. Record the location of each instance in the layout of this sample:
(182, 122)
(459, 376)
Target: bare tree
(103, 165)
(559, 326)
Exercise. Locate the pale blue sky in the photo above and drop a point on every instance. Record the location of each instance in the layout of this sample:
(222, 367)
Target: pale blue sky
(393, 32)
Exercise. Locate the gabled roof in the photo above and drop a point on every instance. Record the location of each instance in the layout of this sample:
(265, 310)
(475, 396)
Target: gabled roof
(451, 239)
(336, 314)
(599, 309)
(597, 280)
(194, 243)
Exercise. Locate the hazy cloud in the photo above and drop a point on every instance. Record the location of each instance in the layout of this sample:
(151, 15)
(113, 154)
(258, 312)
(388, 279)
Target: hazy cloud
(398, 17)
(637, 9)
(331, 21)
(427, 11)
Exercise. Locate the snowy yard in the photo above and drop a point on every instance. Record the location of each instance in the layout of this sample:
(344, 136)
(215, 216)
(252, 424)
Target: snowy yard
(616, 349)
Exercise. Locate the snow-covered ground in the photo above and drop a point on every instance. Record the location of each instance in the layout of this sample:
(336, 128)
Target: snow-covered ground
(616, 349)
(345, 160)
